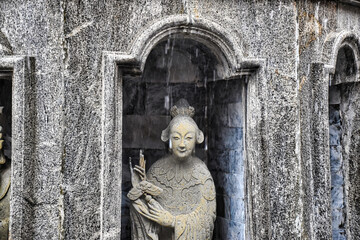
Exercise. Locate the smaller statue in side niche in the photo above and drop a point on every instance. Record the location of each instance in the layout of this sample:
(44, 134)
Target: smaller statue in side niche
(5, 173)
(175, 200)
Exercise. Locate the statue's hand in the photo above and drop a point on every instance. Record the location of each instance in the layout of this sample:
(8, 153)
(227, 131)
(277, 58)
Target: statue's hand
(159, 215)
(137, 175)
(140, 207)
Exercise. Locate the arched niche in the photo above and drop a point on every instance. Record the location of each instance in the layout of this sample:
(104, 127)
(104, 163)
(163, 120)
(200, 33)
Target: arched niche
(329, 71)
(338, 80)
(344, 114)
(188, 40)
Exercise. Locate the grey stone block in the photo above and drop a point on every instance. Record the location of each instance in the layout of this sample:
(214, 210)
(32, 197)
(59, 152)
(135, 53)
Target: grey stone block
(155, 98)
(134, 94)
(334, 95)
(143, 131)
(226, 229)
(218, 116)
(337, 196)
(226, 138)
(335, 134)
(221, 210)
(336, 161)
(236, 160)
(227, 91)
(234, 185)
(237, 208)
(235, 115)
(218, 160)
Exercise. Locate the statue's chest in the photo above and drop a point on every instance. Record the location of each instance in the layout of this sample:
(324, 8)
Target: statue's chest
(180, 198)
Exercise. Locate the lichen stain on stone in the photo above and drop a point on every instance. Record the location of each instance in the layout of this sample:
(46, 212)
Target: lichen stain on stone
(303, 80)
(310, 29)
(196, 12)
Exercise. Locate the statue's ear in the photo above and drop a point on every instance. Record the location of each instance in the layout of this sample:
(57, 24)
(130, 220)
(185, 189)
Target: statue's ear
(199, 137)
(165, 135)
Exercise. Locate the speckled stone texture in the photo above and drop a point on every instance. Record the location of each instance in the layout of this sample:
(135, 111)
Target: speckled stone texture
(67, 183)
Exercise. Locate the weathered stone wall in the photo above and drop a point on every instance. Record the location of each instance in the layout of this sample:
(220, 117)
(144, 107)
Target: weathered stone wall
(67, 40)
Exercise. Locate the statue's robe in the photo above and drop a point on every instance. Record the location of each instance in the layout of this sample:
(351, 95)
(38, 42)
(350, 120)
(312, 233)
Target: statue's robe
(188, 194)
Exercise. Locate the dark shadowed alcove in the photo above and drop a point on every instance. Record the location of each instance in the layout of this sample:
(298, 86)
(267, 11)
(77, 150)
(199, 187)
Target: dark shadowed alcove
(344, 122)
(176, 68)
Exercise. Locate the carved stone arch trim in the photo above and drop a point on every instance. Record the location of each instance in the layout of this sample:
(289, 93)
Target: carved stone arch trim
(20, 69)
(334, 42)
(223, 43)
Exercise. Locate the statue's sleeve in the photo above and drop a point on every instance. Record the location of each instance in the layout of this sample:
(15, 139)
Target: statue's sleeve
(141, 227)
(199, 224)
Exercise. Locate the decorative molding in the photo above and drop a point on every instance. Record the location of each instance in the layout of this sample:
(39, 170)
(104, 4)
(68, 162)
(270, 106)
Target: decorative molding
(351, 2)
(333, 42)
(21, 68)
(223, 43)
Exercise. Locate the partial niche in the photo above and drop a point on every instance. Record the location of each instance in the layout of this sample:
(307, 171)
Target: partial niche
(345, 65)
(5, 149)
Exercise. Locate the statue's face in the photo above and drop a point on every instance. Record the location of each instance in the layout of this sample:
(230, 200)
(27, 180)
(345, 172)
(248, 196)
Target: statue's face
(183, 139)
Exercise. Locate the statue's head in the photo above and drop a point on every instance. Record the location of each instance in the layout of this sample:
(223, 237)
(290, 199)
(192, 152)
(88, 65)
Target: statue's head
(182, 132)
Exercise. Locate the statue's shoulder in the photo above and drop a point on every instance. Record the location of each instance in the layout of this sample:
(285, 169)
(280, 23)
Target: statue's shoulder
(159, 167)
(200, 170)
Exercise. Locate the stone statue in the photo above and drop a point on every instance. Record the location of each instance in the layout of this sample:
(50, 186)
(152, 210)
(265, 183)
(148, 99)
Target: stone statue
(176, 199)
(5, 173)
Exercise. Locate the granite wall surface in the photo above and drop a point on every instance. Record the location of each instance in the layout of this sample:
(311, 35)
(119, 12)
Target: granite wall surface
(67, 39)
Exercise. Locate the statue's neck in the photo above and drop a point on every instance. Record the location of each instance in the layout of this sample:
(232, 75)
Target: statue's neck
(181, 161)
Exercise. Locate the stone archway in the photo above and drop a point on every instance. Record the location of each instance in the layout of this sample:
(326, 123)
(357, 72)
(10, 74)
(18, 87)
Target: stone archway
(115, 65)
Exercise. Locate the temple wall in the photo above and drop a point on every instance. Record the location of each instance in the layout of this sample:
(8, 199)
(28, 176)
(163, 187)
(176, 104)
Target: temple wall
(62, 182)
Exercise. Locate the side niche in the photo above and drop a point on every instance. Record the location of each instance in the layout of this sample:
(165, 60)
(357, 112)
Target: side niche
(5, 140)
(5, 151)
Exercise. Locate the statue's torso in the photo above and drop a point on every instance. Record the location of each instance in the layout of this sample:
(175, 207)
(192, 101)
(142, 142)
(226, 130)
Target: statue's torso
(181, 183)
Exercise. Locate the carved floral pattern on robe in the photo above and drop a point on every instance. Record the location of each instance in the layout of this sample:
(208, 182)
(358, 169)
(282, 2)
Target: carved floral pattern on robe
(188, 194)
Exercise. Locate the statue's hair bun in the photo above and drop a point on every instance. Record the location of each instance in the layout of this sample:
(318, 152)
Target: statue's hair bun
(182, 108)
